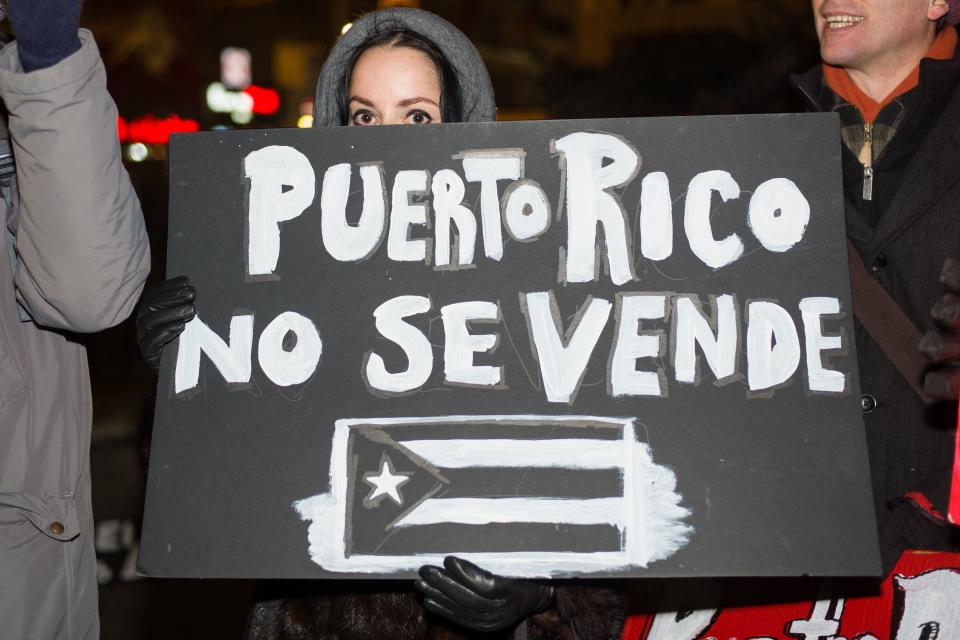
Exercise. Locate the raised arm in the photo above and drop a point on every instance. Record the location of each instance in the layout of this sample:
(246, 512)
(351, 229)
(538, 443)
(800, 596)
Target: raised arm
(81, 245)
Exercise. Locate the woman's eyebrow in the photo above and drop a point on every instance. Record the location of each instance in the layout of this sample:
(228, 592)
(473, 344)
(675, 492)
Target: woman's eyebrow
(410, 101)
(362, 101)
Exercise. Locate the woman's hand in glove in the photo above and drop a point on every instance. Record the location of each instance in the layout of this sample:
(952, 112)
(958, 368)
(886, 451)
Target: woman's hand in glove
(45, 30)
(165, 309)
(476, 599)
(942, 345)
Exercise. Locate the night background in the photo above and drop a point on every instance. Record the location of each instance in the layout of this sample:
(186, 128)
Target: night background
(547, 59)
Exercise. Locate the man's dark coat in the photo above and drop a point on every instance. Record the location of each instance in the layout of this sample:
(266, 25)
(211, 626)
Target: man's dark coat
(904, 234)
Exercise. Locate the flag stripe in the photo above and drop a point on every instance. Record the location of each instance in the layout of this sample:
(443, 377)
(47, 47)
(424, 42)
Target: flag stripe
(510, 538)
(490, 429)
(525, 482)
(574, 453)
(527, 510)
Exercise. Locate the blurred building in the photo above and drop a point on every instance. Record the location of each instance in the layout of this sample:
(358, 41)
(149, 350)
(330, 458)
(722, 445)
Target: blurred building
(163, 55)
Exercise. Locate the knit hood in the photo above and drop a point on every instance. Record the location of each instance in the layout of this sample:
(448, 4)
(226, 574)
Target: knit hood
(476, 92)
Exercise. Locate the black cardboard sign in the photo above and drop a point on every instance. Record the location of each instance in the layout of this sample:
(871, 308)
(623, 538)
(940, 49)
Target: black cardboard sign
(589, 348)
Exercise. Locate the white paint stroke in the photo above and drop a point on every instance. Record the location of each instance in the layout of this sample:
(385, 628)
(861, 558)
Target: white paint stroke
(656, 528)
(778, 214)
(632, 345)
(270, 170)
(232, 359)
(448, 193)
(487, 168)
(527, 212)
(591, 201)
(389, 320)
(773, 346)
(692, 328)
(698, 210)
(929, 601)
(461, 345)
(527, 510)
(820, 378)
(572, 453)
(405, 215)
(656, 217)
(344, 241)
(286, 368)
(563, 363)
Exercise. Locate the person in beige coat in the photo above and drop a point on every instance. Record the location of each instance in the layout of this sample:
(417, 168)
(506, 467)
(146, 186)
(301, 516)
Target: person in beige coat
(75, 259)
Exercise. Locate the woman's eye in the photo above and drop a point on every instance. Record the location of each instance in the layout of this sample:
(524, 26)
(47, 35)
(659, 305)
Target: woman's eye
(363, 117)
(419, 117)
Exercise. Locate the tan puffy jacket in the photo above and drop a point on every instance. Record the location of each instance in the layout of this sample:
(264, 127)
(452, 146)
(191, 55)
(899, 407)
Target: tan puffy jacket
(81, 259)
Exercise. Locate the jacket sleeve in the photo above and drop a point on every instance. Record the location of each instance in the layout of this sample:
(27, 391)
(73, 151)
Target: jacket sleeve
(81, 244)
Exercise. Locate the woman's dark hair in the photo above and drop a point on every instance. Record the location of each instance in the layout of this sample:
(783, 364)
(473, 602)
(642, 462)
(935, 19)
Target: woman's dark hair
(449, 88)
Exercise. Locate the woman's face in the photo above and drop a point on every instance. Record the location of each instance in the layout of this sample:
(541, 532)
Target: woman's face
(394, 85)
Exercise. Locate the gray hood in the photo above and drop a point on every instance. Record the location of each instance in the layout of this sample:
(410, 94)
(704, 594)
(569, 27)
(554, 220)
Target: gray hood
(476, 91)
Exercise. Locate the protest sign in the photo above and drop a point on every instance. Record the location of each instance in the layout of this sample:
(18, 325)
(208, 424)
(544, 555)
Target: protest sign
(916, 601)
(610, 347)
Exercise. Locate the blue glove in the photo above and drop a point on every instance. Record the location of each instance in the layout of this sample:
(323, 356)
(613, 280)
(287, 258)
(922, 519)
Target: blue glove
(45, 30)
(471, 597)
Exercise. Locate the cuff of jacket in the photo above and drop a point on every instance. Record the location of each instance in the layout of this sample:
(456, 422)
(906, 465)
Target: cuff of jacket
(15, 81)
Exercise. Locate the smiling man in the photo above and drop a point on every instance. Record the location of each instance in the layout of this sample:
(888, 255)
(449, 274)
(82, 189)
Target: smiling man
(890, 70)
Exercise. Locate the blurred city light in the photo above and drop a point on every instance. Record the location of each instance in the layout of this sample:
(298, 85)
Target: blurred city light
(152, 130)
(242, 105)
(222, 100)
(235, 71)
(265, 101)
(138, 152)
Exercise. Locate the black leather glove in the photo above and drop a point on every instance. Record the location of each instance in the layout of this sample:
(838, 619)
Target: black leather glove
(471, 597)
(45, 30)
(942, 345)
(165, 309)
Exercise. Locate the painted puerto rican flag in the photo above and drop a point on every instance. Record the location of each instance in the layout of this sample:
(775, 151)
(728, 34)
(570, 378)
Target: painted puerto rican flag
(524, 495)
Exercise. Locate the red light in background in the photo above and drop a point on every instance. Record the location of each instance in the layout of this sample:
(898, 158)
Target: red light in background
(265, 101)
(152, 130)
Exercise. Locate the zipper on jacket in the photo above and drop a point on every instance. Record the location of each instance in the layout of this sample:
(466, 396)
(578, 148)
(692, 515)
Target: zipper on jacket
(866, 159)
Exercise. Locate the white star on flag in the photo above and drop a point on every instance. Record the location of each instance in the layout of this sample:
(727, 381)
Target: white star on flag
(388, 483)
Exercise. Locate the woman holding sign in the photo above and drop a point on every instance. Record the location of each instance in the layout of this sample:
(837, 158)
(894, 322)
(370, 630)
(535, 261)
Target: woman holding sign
(400, 66)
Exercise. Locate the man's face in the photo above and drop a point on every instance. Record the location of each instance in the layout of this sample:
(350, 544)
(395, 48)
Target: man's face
(865, 34)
